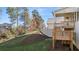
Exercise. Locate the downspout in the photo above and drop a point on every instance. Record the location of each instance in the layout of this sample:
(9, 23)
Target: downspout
(75, 17)
(76, 28)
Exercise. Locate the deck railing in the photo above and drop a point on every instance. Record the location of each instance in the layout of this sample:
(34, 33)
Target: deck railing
(65, 24)
(69, 24)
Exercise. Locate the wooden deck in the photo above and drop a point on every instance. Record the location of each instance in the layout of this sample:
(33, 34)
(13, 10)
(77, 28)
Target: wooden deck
(65, 35)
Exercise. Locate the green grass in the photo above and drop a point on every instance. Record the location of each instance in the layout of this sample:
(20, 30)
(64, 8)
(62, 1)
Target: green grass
(14, 45)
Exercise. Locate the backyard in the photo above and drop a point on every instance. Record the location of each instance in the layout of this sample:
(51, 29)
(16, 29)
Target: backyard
(32, 42)
(25, 43)
(30, 30)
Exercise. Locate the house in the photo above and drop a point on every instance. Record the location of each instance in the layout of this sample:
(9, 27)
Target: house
(5, 25)
(65, 19)
(50, 23)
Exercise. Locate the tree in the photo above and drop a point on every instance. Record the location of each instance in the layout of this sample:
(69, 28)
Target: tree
(25, 17)
(17, 13)
(13, 13)
(10, 12)
(38, 19)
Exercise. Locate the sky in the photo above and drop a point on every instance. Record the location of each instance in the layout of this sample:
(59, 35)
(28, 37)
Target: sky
(45, 13)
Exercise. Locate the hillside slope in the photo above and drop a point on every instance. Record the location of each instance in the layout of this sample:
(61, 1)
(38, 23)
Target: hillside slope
(32, 42)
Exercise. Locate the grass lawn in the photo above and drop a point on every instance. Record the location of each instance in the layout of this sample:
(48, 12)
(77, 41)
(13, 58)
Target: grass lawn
(14, 45)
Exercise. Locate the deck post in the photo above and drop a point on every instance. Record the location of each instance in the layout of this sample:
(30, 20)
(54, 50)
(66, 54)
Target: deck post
(53, 43)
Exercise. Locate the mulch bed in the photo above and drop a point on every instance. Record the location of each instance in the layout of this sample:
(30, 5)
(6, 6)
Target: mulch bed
(34, 38)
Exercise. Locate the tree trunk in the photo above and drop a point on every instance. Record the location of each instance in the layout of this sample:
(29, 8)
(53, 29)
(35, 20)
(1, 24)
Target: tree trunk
(25, 26)
(17, 27)
(17, 23)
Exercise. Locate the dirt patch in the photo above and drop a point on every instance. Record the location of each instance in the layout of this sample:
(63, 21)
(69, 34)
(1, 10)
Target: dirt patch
(34, 38)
